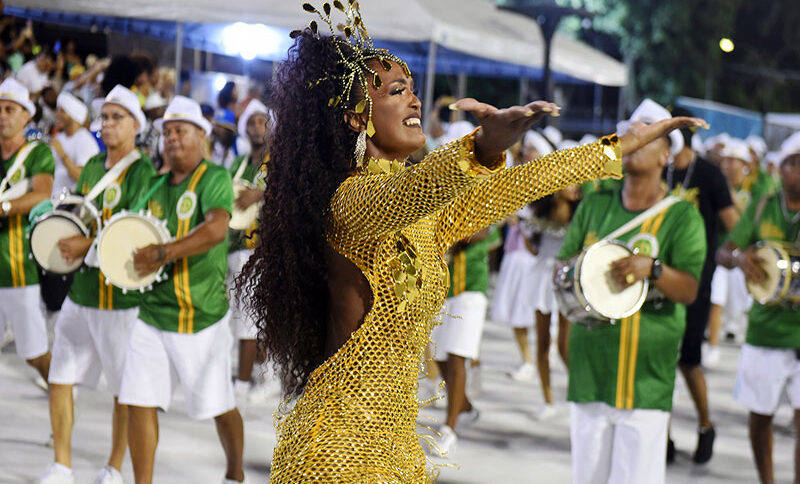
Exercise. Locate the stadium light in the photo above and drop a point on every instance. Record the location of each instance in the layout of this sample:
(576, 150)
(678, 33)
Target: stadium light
(726, 44)
(251, 40)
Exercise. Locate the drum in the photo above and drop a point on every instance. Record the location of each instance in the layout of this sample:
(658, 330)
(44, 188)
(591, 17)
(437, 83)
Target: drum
(586, 292)
(243, 219)
(122, 235)
(70, 216)
(782, 265)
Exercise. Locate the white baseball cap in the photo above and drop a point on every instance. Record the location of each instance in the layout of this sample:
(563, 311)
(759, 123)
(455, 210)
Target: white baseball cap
(13, 90)
(122, 96)
(253, 107)
(736, 148)
(536, 140)
(648, 112)
(181, 108)
(74, 107)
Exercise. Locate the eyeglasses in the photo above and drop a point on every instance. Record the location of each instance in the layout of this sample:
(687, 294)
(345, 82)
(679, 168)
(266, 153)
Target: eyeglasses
(116, 118)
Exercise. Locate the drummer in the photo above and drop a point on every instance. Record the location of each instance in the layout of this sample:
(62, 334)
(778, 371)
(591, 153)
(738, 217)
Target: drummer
(20, 300)
(91, 333)
(255, 126)
(769, 361)
(182, 334)
(621, 376)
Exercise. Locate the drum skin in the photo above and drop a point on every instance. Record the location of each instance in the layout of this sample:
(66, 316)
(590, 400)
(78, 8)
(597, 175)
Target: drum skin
(46, 234)
(122, 235)
(243, 219)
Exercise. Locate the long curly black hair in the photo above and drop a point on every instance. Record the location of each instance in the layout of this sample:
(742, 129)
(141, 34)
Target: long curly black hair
(284, 284)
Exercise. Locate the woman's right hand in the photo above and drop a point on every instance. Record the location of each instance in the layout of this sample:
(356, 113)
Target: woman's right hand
(502, 127)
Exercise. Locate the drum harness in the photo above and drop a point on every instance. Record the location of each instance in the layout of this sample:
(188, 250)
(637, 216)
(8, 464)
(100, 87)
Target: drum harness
(22, 155)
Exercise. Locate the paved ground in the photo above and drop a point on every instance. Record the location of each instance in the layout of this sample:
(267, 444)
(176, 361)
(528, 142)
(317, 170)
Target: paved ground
(505, 446)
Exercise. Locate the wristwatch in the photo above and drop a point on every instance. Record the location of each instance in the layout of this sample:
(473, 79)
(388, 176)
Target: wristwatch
(6, 206)
(656, 269)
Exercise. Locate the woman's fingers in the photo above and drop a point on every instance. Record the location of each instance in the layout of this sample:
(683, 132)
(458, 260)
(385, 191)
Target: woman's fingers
(687, 122)
(479, 109)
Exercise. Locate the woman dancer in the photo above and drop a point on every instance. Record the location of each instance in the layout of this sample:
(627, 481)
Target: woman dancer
(349, 275)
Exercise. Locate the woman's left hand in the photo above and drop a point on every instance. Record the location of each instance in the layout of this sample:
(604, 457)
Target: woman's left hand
(502, 127)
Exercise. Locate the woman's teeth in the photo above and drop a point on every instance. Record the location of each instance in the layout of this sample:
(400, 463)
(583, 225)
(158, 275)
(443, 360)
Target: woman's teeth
(412, 122)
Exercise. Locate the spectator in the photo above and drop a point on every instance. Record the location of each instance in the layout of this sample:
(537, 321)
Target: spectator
(35, 74)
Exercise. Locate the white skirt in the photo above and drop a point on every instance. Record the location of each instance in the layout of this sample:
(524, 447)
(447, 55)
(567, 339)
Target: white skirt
(513, 297)
(544, 296)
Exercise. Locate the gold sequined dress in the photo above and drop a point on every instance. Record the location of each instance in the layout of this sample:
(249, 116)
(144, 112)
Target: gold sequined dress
(356, 420)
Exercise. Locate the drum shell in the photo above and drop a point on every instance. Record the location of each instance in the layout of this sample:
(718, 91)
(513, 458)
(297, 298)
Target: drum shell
(784, 274)
(44, 234)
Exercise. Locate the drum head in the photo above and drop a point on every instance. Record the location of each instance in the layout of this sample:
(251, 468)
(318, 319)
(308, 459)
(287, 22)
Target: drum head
(44, 243)
(600, 290)
(119, 240)
(242, 219)
(768, 289)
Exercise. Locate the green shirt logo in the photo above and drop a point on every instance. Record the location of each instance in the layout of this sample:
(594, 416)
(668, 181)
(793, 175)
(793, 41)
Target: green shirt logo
(644, 244)
(112, 196)
(18, 175)
(186, 205)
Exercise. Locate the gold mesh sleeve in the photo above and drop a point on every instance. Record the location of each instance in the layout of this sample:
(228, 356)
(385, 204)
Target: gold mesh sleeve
(387, 198)
(505, 192)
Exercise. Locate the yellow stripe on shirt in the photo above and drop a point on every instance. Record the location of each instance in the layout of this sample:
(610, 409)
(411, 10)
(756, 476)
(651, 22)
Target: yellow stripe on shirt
(634, 349)
(181, 277)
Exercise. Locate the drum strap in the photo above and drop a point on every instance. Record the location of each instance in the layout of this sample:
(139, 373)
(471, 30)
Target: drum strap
(240, 171)
(112, 174)
(651, 212)
(22, 155)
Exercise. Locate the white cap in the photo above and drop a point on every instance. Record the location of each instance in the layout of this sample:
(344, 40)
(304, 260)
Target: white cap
(534, 139)
(153, 101)
(648, 112)
(736, 148)
(13, 90)
(253, 107)
(457, 130)
(715, 140)
(124, 97)
(182, 108)
(791, 143)
(757, 144)
(587, 138)
(553, 135)
(73, 106)
(697, 144)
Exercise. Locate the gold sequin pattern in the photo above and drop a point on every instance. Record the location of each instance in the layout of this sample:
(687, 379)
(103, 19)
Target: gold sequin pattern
(356, 420)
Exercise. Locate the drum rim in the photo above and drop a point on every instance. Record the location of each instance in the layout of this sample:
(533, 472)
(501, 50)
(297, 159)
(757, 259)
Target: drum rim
(784, 284)
(645, 283)
(160, 228)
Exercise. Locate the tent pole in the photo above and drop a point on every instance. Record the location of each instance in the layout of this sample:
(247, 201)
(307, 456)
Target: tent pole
(430, 73)
(178, 53)
(461, 91)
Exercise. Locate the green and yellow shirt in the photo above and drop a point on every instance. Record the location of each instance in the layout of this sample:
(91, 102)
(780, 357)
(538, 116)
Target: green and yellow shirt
(246, 239)
(17, 269)
(772, 325)
(469, 267)
(631, 364)
(89, 288)
(193, 297)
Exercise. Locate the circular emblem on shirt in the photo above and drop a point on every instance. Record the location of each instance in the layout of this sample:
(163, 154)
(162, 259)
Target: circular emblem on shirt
(18, 175)
(743, 197)
(186, 205)
(112, 196)
(644, 244)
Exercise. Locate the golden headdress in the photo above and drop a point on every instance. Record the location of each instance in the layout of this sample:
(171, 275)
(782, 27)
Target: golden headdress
(355, 65)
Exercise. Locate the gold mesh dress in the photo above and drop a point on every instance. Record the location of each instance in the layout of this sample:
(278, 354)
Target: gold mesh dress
(356, 420)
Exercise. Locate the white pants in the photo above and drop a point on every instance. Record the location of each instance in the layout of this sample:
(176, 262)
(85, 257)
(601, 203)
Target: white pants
(201, 362)
(88, 341)
(244, 327)
(614, 446)
(767, 376)
(22, 307)
(462, 326)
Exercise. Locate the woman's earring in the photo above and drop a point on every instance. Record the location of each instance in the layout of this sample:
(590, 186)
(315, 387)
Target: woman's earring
(361, 148)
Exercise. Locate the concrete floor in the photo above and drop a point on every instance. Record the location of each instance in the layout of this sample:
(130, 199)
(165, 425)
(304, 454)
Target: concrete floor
(506, 445)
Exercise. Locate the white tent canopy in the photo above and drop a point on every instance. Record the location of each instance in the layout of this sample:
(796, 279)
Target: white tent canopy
(475, 27)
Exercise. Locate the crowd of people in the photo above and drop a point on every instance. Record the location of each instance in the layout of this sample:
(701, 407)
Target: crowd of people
(278, 225)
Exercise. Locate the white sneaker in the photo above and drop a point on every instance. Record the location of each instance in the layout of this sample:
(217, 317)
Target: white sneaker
(108, 475)
(710, 355)
(468, 417)
(525, 372)
(546, 413)
(57, 474)
(39, 381)
(446, 443)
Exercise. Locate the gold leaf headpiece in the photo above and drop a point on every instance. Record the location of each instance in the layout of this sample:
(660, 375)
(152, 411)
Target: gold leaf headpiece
(355, 67)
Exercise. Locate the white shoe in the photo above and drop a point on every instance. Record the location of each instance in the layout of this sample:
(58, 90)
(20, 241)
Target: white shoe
(468, 417)
(525, 372)
(546, 413)
(108, 475)
(710, 355)
(39, 381)
(447, 441)
(57, 474)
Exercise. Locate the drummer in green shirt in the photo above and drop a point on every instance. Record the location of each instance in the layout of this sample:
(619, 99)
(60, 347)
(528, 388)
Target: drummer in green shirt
(622, 375)
(768, 367)
(182, 334)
